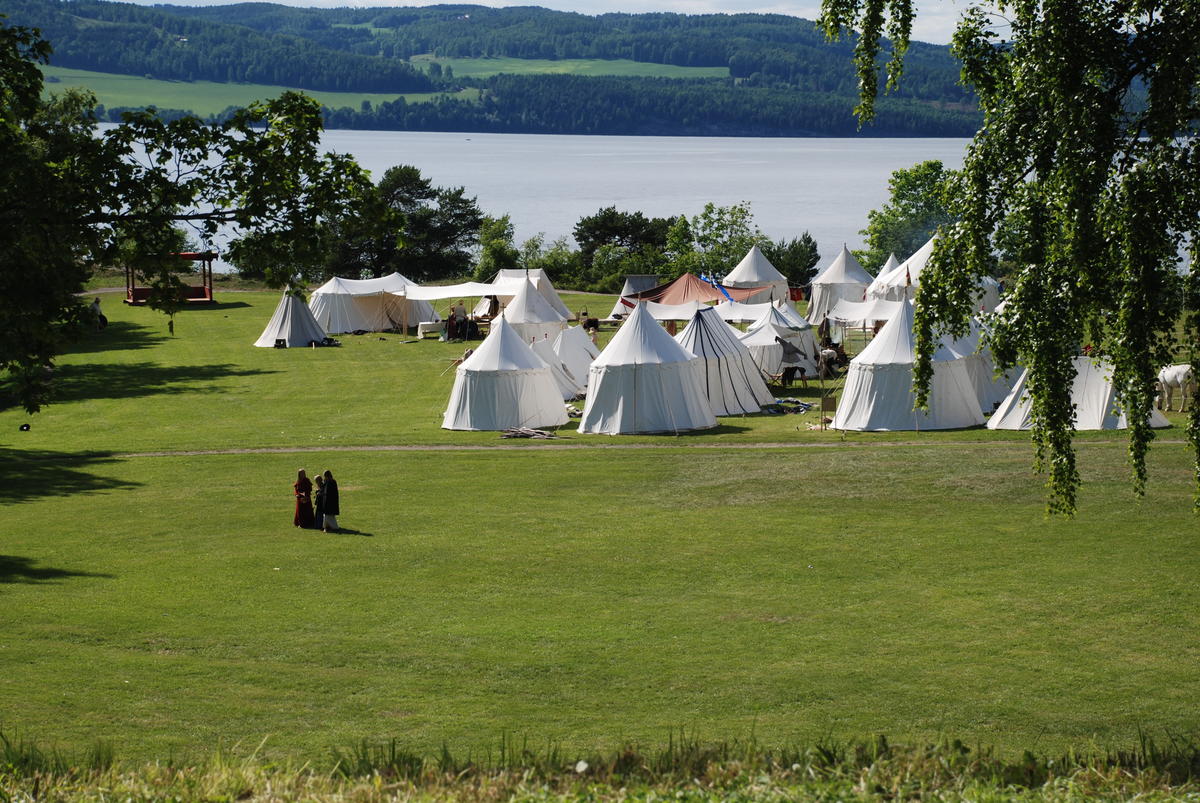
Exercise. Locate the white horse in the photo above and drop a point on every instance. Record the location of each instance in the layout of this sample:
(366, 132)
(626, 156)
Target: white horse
(1176, 377)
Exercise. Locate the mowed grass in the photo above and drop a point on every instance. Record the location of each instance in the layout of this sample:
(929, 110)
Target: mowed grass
(484, 67)
(206, 97)
(580, 596)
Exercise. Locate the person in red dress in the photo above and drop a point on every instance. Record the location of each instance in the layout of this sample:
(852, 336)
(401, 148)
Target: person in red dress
(304, 510)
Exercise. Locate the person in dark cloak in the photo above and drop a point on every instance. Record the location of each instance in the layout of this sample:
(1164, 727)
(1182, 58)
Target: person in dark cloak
(332, 508)
(319, 500)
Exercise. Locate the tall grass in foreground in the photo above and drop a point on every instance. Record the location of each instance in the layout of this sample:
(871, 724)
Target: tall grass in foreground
(683, 769)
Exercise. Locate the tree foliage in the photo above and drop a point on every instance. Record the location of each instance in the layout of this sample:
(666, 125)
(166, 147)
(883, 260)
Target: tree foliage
(712, 242)
(71, 199)
(1088, 159)
(917, 207)
(796, 258)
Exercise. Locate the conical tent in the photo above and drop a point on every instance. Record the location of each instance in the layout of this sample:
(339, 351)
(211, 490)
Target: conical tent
(576, 351)
(894, 284)
(541, 281)
(568, 386)
(367, 305)
(503, 384)
(989, 389)
(689, 287)
(769, 354)
(634, 283)
(732, 382)
(1092, 394)
(875, 288)
(843, 278)
(293, 323)
(531, 315)
(878, 395)
(645, 382)
(755, 270)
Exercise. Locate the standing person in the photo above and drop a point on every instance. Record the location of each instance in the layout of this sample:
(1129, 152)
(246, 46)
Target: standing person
(332, 509)
(319, 499)
(101, 321)
(303, 491)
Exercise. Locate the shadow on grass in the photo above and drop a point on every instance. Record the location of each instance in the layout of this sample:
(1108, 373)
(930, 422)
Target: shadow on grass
(129, 380)
(117, 336)
(16, 569)
(216, 307)
(348, 531)
(35, 474)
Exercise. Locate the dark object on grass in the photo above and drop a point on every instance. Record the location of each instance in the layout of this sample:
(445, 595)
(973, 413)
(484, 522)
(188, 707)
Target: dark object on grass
(591, 323)
(280, 343)
(24, 427)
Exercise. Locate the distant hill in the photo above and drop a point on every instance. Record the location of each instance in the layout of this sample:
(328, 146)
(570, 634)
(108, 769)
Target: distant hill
(774, 75)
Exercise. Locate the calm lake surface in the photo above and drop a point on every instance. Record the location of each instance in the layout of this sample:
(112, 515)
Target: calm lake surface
(546, 183)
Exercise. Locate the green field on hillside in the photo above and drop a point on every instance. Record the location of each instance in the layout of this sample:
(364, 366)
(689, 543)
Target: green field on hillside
(201, 97)
(760, 580)
(483, 67)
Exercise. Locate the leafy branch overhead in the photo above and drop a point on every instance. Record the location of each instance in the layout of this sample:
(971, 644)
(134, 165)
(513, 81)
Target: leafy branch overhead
(1086, 172)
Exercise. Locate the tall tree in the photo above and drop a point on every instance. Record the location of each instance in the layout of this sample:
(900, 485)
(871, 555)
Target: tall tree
(70, 199)
(1089, 159)
(714, 241)
(917, 207)
(496, 249)
(795, 258)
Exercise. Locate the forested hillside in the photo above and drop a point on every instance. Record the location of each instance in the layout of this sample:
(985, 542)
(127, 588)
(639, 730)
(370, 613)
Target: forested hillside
(784, 78)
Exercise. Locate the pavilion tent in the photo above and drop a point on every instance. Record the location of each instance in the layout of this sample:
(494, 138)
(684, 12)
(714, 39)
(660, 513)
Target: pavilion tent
(634, 283)
(989, 389)
(851, 313)
(756, 271)
(645, 382)
(576, 351)
(1092, 394)
(788, 310)
(689, 287)
(841, 279)
(797, 331)
(368, 305)
(878, 395)
(874, 289)
(894, 284)
(739, 312)
(511, 277)
(666, 312)
(530, 314)
(503, 384)
(732, 382)
(293, 323)
(568, 386)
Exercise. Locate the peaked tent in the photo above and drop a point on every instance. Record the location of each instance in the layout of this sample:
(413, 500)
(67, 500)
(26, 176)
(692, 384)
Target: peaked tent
(634, 283)
(789, 312)
(841, 279)
(878, 395)
(772, 356)
(530, 314)
(875, 287)
(576, 351)
(503, 384)
(755, 270)
(568, 386)
(293, 323)
(893, 285)
(989, 389)
(869, 311)
(644, 381)
(732, 382)
(541, 281)
(690, 287)
(1092, 393)
(369, 305)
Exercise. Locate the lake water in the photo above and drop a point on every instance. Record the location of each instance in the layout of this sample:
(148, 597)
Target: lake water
(546, 183)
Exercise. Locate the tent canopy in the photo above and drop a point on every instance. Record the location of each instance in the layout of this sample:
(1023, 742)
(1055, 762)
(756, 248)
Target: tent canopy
(634, 283)
(732, 381)
(755, 270)
(293, 323)
(370, 305)
(690, 287)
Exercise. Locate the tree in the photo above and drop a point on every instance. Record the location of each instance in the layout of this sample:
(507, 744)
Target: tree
(631, 230)
(496, 249)
(915, 210)
(796, 258)
(257, 176)
(1088, 159)
(714, 241)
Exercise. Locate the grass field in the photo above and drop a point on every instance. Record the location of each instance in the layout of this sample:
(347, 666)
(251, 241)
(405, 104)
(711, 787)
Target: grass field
(483, 67)
(201, 97)
(759, 580)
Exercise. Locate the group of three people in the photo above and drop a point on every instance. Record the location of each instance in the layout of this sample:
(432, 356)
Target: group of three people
(327, 510)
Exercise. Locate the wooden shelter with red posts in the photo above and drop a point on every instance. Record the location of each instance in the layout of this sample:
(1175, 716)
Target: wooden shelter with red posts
(197, 294)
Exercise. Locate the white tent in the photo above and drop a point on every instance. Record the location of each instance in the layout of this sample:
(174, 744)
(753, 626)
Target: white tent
(530, 314)
(893, 285)
(503, 384)
(843, 278)
(732, 382)
(739, 312)
(1092, 393)
(634, 283)
(368, 305)
(293, 323)
(878, 395)
(512, 276)
(789, 312)
(874, 289)
(989, 389)
(755, 270)
(644, 381)
(851, 313)
(576, 351)
(770, 355)
(568, 386)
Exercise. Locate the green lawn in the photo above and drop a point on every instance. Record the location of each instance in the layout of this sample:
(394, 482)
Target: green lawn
(908, 585)
(201, 97)
(483, 67)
